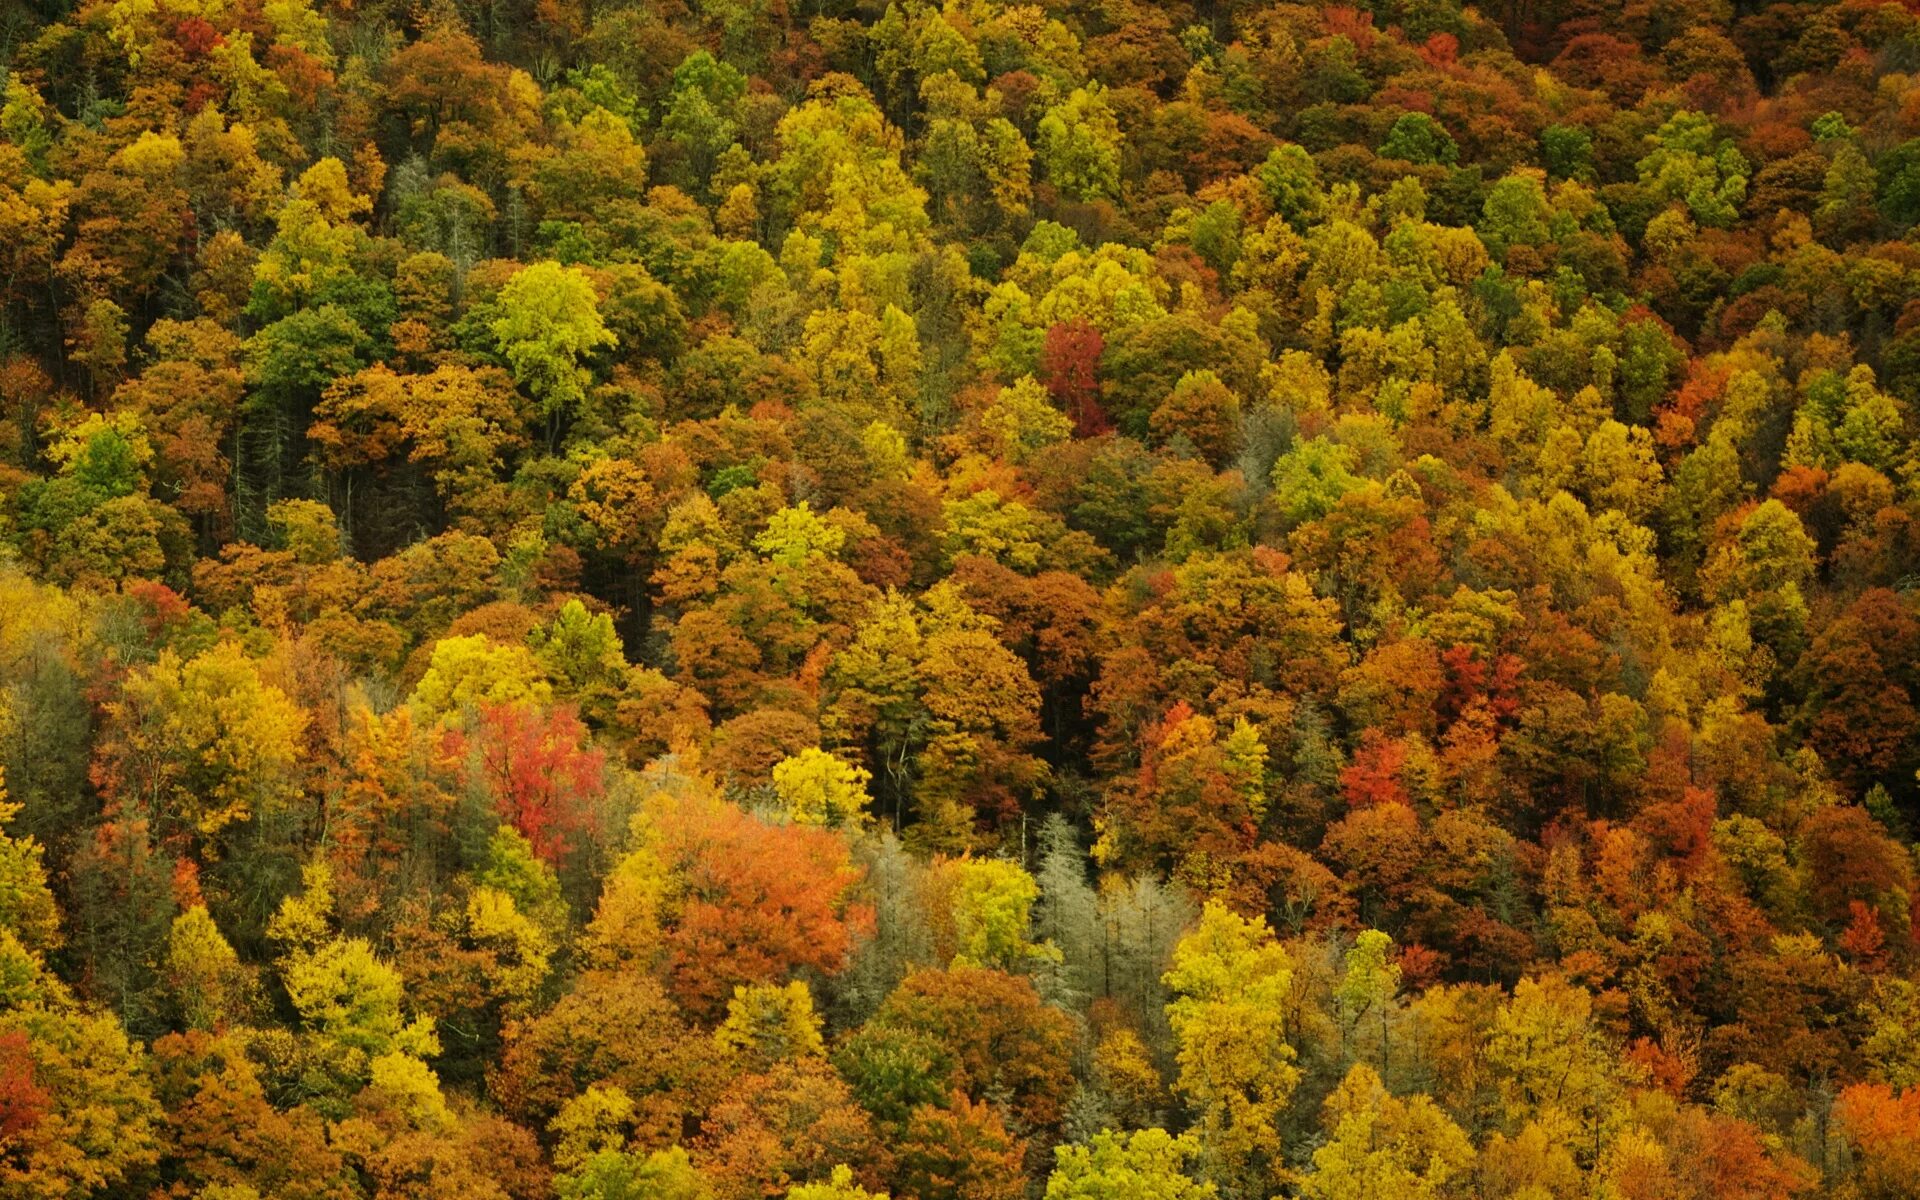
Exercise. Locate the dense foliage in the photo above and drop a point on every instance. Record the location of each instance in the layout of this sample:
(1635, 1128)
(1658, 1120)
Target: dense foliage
(1089, 599)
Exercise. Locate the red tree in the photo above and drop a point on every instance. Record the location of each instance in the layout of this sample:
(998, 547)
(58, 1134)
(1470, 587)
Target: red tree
(22, 1101)
(1070, 367)
(540, 770)
(755, 901)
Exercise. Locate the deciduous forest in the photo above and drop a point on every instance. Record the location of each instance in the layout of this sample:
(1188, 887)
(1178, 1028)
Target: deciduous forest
(984, 600)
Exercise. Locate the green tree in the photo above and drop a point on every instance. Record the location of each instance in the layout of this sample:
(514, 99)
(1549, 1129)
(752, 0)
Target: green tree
(1418, 138)
(1292, 182)
(1364, 997)
(1310, 478)
(700, 111)
(988, 905)
(549, 323)
(1690, 164)
(1079, 145)
(839, 1187)
(1149, 1164)
(627, 1175)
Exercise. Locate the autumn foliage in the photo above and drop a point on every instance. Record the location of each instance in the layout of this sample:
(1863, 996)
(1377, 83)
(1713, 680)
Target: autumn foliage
(959, 600)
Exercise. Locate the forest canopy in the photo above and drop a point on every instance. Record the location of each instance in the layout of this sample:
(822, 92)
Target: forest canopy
(1076, 600)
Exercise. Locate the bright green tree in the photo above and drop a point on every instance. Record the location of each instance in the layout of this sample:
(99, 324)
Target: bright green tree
(1690, 164)
(988, 908)
(839, 1186)
(1079, 145)
(549, 323)
(1149, 1164)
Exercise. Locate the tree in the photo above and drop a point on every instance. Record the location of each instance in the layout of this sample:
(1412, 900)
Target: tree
(839, 1186)
(1149, 1164)
(595, 1122)
(1846, 856)
(202, 745)
(699, 115)
(549, 322)
(349, 998)
(959, 1151)
(1686, 164)
(120, 905)
(1418, 138)
(1380, 1145)
(610, 1029)
(1861, 715)
(226, 1133)
(1195, 805)
(821, 789)
(1230, 980)
(290, 364)
(1070, 367)
(1291, 180)
(27, 907)
(1364, 997)
(789, 1125)
(618, 1175)
(597, 169)
(1204, 412)
(1079, 146)
(1310, 478)
(942, 708)
(391, 819)
(209, 985)
(767, 1025)
(1552, 1063)
(990, 1036)
(743, 901)
(538, 769)
(1022, 423)
(1884, 1129)
(310, 260)
(82, 1119)
(984, 912)
(477, 671)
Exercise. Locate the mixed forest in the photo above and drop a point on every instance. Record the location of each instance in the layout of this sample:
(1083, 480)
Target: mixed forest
(1070, 600)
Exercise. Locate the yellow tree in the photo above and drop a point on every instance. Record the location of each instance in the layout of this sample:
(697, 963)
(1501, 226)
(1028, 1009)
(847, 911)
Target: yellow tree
(90, 1117)
(1553, 1064)
(1149, 1164)
(818, 788)
(1380, 1145)
(549, 323)
(27, 907)
(942, 708)
(206, 980)
(1364, 998)
(1231, 980)
(475, 670)
(839, 1186)
(983, 913)
(202, 744)
(768, 1024)
(350, 1001)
